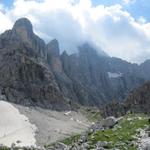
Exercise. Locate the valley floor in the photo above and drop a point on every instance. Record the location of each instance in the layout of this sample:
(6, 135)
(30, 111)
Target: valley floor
(35, 126)
(26, 126)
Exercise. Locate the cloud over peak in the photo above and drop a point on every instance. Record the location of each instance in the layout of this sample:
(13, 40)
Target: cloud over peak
(73, 22)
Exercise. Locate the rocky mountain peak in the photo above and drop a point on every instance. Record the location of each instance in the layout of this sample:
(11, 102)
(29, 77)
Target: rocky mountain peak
(23, 25)
(23, 29)
(25, 77)
(22, 32)
(53, 56)
(86, 48)
(53, 47)
(90, 50)
(64, 54)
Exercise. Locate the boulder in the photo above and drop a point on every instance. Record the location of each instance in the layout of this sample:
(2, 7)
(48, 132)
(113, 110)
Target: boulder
(109, 122)
(96, 127)
(102, 144)
(84, 146)
(61, 146)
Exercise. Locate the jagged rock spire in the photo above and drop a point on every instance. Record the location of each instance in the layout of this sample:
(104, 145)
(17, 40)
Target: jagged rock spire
(53, 48)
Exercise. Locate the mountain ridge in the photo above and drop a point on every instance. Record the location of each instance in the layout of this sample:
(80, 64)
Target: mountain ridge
(25, 76)
(37, 74)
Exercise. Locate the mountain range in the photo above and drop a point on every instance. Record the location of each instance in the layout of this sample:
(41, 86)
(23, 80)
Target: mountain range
(35, 73)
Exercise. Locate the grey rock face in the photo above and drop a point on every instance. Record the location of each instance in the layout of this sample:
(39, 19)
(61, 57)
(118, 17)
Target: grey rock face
(22, 35)
(24, 75)
(53, 56)
(138, 100)
(54, 60)
(53, 48)
(88, 79)
(92, 84)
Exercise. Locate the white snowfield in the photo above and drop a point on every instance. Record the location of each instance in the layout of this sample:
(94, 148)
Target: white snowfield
(35, 126)
(114, 75)
(15, 127)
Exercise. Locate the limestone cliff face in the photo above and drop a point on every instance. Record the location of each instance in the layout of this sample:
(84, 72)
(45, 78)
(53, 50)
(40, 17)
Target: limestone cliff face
(53, 56)
(25, 77)
(99, 78)
(33, 73)
(88, 77)
(55, 63)
(23, 29)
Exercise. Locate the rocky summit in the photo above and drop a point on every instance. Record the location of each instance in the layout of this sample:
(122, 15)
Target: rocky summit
(35, 73)
(25, 76)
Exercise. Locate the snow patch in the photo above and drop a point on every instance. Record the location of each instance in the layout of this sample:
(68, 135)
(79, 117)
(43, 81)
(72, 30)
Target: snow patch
(114, 74)
(15, 127)
(67, 113)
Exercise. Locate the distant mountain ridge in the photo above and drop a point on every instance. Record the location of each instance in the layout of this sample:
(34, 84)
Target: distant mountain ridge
(35, 73)
(137, 101)
(97, 79)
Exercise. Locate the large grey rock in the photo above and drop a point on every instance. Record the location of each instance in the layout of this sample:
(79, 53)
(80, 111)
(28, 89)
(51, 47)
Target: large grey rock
(85, 146)
(109, 122)
(61, 146)
(96, 127)
(102, 144)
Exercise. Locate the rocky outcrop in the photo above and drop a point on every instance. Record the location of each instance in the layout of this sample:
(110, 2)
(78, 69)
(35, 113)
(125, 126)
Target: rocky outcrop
(53, 56)
(144, 69)
(113, 108)
(55, 64)
(144, 140)
(138, 100)
(109, 122)
(25, 77)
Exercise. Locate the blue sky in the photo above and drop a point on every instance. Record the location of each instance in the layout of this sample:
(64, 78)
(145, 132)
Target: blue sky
(7, 3)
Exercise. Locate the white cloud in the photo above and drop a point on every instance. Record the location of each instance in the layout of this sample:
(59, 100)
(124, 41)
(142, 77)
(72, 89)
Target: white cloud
(5, 22)
(75, 21)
